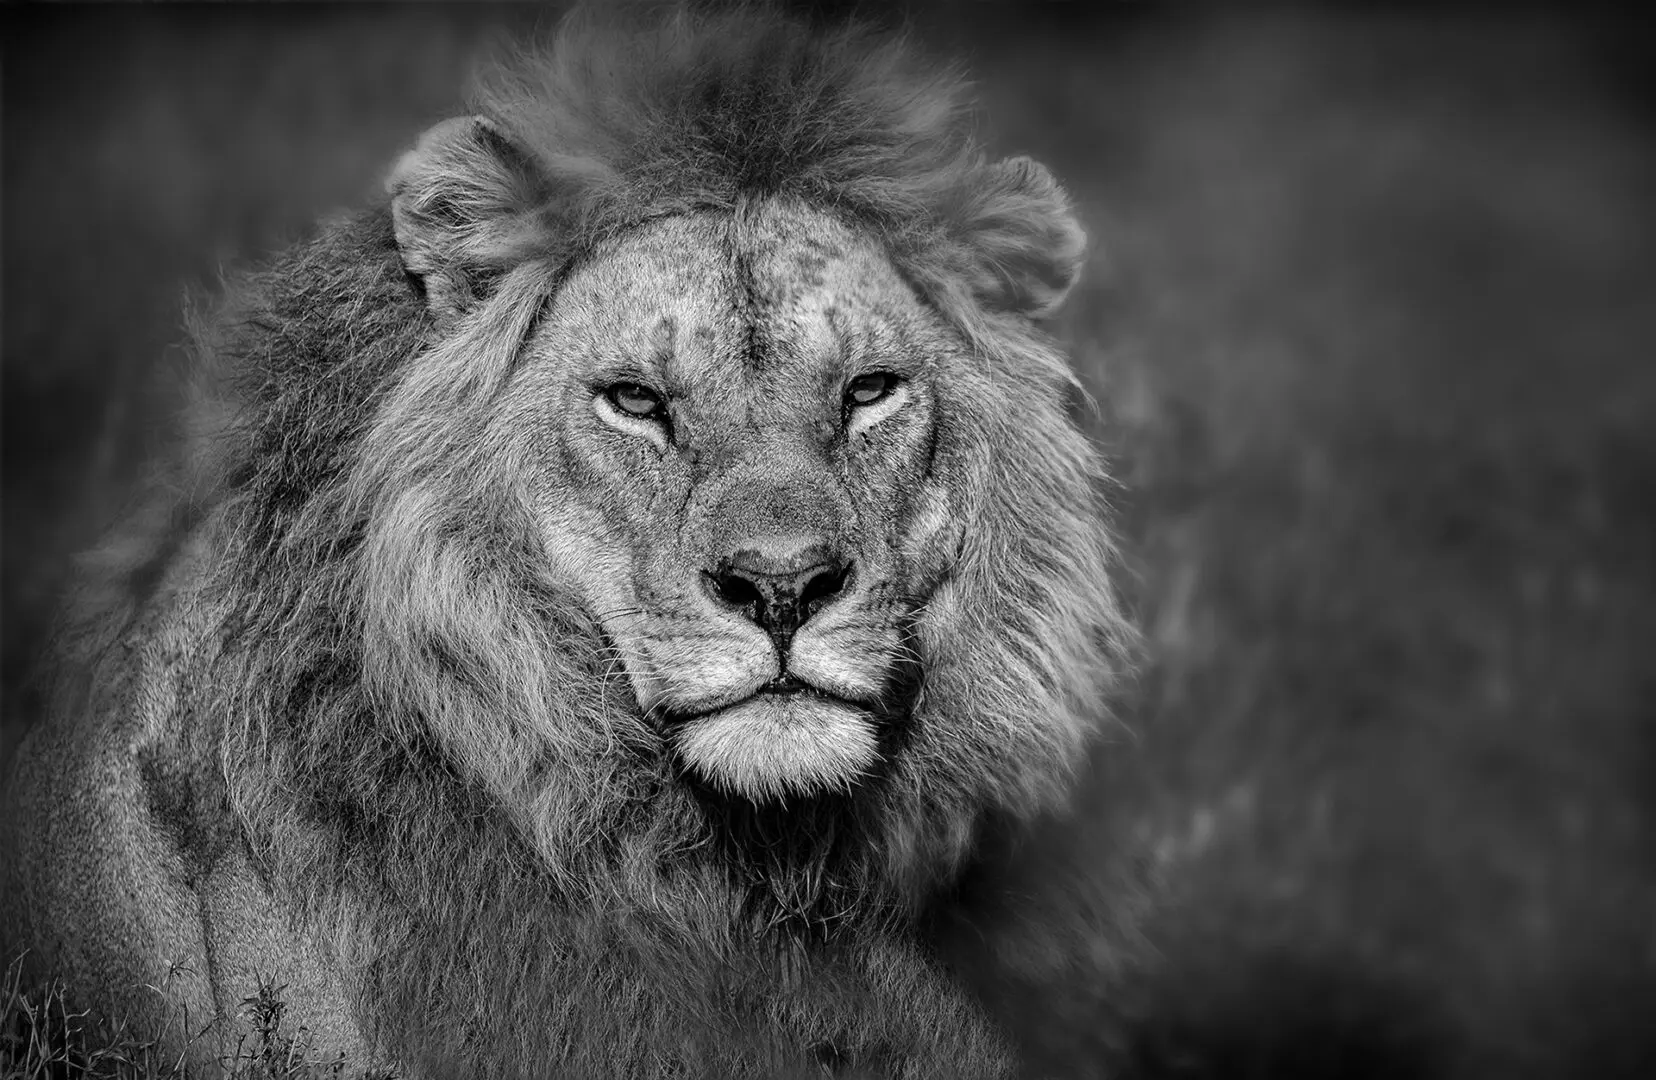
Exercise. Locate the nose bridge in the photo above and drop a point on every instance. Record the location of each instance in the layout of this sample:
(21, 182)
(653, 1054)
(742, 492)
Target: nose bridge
(779, 542)
(781, 509)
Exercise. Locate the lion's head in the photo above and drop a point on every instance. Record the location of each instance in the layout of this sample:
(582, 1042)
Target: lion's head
(696, 461)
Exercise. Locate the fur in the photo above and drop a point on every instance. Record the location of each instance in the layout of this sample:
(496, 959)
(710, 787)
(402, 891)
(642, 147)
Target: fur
(418, 735)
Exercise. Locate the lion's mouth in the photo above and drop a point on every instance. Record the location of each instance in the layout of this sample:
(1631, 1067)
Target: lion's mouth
(787, 739)
(785, 687)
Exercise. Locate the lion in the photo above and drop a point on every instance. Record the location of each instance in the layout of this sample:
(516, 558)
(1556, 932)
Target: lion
(610, 588)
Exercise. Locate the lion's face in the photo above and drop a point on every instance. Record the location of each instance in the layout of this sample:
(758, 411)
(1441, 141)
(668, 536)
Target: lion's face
(739, 452)
(732, 426)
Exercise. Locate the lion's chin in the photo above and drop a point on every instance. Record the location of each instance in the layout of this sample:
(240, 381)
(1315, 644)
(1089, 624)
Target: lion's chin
(777, 745)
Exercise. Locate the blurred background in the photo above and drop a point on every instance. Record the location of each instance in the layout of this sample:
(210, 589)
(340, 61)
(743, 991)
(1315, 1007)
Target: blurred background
(1369, 323)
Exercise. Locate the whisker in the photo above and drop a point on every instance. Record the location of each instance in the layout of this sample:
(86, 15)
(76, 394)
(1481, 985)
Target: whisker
(618, 612)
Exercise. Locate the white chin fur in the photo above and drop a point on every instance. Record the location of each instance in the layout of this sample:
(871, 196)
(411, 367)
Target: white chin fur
(769, 747)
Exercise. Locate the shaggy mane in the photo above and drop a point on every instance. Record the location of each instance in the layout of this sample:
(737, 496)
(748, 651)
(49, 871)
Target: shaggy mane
(698, 113)
(621, 122)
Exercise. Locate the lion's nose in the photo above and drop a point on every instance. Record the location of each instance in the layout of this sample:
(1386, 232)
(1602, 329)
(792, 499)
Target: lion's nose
(780, 602)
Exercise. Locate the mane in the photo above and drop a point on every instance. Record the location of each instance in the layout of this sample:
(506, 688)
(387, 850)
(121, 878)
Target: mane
(624, 121)
(700, 112)
(400, 702)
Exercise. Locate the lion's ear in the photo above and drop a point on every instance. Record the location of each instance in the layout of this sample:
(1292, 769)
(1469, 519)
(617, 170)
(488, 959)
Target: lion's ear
(466, 204)
(1026, 244)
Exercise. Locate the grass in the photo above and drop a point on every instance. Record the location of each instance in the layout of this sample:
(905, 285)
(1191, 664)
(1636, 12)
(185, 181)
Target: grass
(1367, 322)
(44, 1036)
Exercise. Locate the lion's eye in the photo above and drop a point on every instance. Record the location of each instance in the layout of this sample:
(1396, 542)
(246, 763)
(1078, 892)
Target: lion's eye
(870, 388)
(636, 400)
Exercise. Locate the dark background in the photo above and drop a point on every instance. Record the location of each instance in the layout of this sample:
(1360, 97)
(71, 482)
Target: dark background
(1369, 321)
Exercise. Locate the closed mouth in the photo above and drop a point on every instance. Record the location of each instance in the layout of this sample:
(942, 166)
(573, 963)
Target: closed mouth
(787, 740)
(781, 688)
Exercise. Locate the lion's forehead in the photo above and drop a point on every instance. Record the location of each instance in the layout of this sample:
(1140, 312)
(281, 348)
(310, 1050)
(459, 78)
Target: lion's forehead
(663, 290)
(783, 298)
(797, 255)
